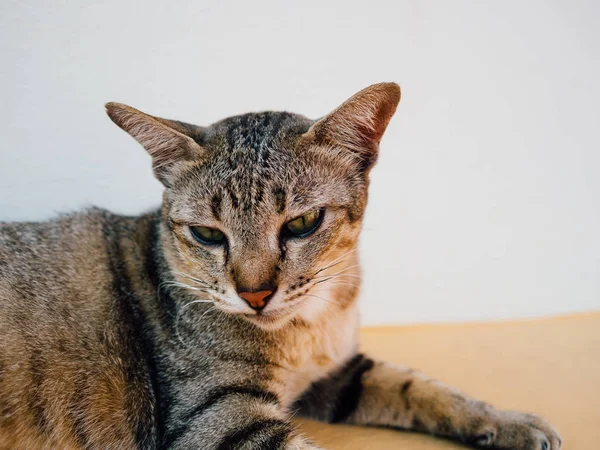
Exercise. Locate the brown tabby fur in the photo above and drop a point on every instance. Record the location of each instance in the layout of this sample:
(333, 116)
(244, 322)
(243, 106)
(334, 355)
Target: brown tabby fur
(127, 333)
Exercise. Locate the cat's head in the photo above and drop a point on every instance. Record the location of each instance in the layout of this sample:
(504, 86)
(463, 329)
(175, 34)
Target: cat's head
(262, 211)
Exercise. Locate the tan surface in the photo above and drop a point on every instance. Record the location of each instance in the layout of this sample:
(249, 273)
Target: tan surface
(550, 367)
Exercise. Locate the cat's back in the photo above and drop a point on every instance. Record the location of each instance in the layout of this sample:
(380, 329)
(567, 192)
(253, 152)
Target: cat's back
(41, 261)
(66, 266)
(22, 242)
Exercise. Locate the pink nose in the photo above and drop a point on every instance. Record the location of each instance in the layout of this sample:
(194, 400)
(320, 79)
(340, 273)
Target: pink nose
(256, 300)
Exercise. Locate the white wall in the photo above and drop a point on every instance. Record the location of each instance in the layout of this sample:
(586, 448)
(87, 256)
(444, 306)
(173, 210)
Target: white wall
(485, 203)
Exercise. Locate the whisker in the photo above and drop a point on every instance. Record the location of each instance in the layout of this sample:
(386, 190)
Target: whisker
(191, 278)
(196, 301)
(328, 267)
(354, 249)
(333, 302)
(341, 283)
(337, 283)
(180, 313)
(322, 281)
(336, 261)
(207, 311)
(237, 317)
(339, 272)
(345, 275)
(182, 285)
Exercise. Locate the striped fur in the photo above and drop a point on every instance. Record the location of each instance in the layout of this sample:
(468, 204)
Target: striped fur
(127, 333)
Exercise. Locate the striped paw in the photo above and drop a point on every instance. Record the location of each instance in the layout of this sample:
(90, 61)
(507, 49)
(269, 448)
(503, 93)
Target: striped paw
(516, 431)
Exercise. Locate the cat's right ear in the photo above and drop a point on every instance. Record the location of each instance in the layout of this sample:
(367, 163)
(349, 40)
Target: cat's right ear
(169, 143)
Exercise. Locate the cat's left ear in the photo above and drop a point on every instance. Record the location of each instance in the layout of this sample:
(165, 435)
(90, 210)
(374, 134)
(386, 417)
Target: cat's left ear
(171, 144)
(359, 123)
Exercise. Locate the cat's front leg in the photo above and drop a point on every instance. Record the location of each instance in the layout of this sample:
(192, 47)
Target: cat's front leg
(234, 417)
(365, 392)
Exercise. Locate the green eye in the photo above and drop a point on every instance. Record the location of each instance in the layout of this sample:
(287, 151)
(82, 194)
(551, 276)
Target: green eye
(305, 225)
(207, 235)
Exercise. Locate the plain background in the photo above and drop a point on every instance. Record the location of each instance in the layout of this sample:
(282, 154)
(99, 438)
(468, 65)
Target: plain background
(485, 203)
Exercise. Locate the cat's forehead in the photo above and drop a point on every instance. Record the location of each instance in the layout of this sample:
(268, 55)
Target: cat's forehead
(257, 166)
(255, 131)
(255, 152)
(253, 165)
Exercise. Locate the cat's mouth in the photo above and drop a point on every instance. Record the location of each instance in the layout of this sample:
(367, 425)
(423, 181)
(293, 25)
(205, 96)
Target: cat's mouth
(268, 319)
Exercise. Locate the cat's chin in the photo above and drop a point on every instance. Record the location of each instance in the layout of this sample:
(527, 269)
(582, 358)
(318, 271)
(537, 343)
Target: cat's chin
(268, 322)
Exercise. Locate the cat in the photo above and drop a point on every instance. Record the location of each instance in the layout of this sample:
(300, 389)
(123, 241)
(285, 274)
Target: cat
(204, 324)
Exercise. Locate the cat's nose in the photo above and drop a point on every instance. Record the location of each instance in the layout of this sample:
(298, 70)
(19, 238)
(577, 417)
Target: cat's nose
(257, 299)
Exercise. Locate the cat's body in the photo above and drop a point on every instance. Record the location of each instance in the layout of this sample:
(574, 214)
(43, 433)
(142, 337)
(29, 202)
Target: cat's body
(73, 329)
(90, 351)
(205, 324)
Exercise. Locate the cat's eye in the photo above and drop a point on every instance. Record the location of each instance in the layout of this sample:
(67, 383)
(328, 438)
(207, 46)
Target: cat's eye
(305, 225)
(207, 235)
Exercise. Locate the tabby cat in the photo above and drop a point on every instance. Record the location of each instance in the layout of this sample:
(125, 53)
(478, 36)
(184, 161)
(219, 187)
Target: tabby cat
(205, 324)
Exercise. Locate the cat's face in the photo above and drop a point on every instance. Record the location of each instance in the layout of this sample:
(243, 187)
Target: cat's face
(265, 211)
(262, 211)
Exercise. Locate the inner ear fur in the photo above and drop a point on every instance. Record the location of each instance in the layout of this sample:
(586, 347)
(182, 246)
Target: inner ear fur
(170, 143)
(359, 123)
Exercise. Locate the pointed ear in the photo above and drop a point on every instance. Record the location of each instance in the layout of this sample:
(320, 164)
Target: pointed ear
(170, 143)
(359, 123)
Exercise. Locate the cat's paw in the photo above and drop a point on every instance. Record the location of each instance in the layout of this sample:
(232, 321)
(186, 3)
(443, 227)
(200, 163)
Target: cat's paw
(300, 443)
(516, 431)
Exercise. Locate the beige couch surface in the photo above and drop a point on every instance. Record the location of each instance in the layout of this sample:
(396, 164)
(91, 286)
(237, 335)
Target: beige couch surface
(550, 367)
